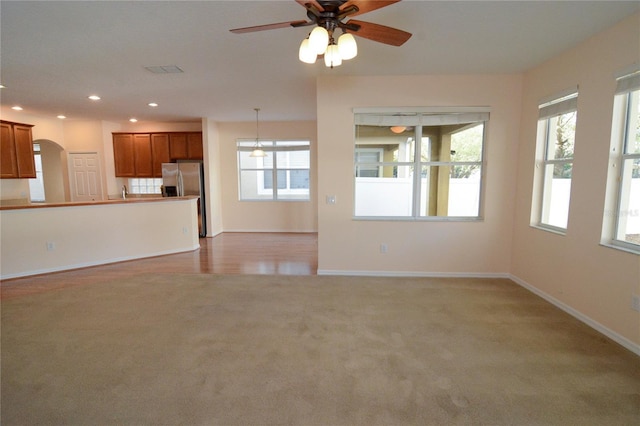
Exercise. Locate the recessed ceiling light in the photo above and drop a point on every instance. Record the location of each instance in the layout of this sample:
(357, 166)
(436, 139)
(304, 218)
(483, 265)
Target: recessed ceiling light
(1, 86)
(153, 104)
(17, 108)
(62, 117)
(133, 120)
(94, 97)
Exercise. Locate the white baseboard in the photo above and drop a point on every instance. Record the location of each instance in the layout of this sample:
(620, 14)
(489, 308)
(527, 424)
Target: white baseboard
(273, 231)
(621, 340)
(413, 274)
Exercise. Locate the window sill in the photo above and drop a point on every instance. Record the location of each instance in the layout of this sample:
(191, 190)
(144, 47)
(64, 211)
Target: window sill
(417, 219)
(620, 247)
(553, 230)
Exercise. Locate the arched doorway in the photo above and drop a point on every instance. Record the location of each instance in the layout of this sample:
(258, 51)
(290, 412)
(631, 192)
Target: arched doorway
(49, 186)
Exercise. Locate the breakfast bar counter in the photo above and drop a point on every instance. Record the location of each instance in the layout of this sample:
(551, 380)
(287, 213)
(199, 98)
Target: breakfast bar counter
(42, 238)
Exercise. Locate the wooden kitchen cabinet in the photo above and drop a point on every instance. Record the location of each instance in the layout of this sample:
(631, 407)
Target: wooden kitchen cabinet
(194, 146)
(123, 155)
(159, 152)
(16, 148)
(186, 146)
(178, 146)
(142, 154)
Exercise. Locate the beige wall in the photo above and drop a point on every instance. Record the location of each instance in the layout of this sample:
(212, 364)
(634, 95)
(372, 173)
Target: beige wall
(416, 247)
(264, 216)
(212, 176)
(574, 269)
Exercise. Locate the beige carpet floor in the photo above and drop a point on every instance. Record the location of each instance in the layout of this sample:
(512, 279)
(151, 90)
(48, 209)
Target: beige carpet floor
(294, 350)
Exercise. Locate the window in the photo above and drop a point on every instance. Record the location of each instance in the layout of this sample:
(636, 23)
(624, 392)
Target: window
(419, 165)
(145, 186)
(624, 176)
(283, 174)
(554, 167)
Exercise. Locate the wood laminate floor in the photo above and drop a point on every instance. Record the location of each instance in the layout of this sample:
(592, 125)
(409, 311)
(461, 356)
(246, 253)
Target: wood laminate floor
(227, 253)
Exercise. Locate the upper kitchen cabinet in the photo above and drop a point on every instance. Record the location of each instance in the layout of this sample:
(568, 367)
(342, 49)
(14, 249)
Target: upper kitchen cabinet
(178, 146)
(124, 155)
(194, 145)
(16, 145)
(142, 154)
(143, 157)
(159, 152)
(186, 146)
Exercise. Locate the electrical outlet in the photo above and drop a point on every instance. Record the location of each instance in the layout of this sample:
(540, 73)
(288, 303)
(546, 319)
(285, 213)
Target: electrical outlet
(331, 199)
(51, 246)
(383, 248)
(635, 302)
(185, 230)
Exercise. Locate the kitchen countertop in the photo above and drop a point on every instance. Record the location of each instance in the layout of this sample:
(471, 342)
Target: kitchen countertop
(96, 203)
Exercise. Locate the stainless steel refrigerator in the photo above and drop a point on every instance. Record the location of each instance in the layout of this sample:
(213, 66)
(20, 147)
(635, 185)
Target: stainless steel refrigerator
(186, 178)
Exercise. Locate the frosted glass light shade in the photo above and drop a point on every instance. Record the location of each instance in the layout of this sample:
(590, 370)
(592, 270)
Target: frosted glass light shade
(347, 46)
(258, 152)
(332, 56)
(318, 40)
(306, 54)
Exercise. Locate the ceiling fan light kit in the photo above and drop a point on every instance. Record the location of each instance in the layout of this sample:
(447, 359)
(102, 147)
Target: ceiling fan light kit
(327, 16)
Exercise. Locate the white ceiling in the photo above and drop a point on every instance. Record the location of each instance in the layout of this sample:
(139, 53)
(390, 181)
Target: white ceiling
(54, 54)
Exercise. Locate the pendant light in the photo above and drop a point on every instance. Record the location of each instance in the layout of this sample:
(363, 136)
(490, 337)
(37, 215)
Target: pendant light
(257, 149)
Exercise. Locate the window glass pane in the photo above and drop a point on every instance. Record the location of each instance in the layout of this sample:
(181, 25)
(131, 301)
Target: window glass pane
(252, 186)
(444, 194)
(629, 215)
(562, 131)
(299, 179)
(298, 185)
(557, 191)
(393, 147)
(385, 196)
(281, 176)
(633, 128)
(466, 145)
(268, 179)
(293, 160)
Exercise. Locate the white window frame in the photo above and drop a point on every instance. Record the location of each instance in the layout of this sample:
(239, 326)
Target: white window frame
(271, 147)
(549, 110)
(617, 210)
(418, 117)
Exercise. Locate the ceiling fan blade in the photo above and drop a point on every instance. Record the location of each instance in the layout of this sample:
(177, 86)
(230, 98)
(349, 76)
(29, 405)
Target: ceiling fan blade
(365, 6)
(379, 33)
(314, 3)
(269, 27)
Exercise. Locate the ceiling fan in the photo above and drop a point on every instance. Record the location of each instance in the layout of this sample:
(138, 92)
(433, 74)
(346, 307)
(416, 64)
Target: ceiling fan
(328, 16)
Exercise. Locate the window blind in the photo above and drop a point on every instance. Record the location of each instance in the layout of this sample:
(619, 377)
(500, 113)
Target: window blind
(628, 83)
(560, 105)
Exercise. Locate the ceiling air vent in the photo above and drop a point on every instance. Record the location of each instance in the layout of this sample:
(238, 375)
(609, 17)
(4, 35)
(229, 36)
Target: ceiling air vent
(165, 69)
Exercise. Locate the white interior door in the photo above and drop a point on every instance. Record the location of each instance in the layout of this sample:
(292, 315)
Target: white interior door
(85, 178)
